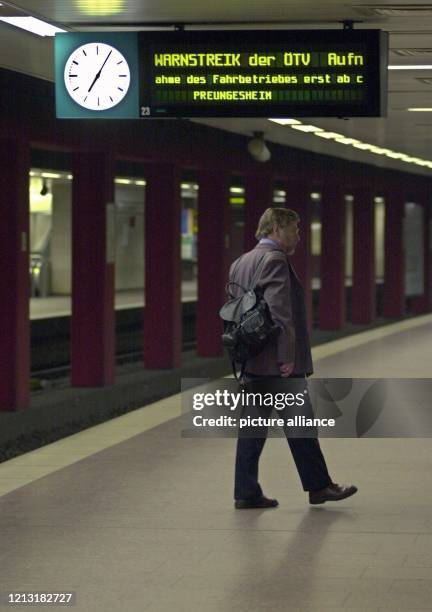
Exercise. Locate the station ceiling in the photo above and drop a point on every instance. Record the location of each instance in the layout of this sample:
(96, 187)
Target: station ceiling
(409, 25)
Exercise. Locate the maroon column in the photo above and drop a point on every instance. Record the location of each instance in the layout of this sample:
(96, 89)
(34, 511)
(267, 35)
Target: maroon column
(213, 236)
(93, 250)
(428, 255)
(394, 268)
(14, 277)
(298, 199)
(259, 196)
(332, 265)
(162, 315)
(363, 288)
(422, 304)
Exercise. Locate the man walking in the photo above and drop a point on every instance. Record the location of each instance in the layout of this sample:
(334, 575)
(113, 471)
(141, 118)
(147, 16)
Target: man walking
(288, 356)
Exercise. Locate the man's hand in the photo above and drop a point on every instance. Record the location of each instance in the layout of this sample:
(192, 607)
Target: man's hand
(286, 369)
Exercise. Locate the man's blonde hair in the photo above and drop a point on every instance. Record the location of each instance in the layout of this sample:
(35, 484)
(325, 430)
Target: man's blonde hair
(275, 216)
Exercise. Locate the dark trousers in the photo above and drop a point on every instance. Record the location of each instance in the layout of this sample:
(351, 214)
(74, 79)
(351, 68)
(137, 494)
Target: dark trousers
(306, 453)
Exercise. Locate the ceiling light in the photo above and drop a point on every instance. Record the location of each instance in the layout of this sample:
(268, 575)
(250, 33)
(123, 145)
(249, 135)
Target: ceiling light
(420, 110)
(329, 135)
(122, 181)
(237, 190)
(50, 175)
(101, 8)
(362, 145)
(413, 67)
(307, 128)
(394, 155)
(377, 150)
(33, 25)
(347, 141)
(286, 121)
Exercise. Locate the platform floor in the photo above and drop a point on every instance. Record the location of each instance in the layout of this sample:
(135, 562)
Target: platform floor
(60, 305)
(133, 517)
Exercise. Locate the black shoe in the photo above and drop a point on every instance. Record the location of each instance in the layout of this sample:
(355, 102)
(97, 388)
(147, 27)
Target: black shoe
(333, 492)
(261, 502)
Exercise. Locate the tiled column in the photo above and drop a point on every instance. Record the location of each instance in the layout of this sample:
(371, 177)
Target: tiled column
(298, 199)
(213, 236)
(363, 287)
(332, 265)
(93, 253)
(394, 268)
(14, 277)
(163, 314)
(259, 196)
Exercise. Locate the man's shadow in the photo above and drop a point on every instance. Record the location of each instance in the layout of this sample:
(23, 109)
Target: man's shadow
(300, 554)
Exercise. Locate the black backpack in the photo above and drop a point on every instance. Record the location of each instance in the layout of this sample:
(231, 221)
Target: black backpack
(248, 326)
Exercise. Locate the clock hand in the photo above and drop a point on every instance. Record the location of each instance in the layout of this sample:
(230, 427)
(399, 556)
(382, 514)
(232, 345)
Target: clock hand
(99, 73)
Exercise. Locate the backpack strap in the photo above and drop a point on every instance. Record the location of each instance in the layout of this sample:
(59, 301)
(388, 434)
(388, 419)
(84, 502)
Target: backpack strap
(257, 273)
(234, 369)
(231, 282)
(255, 277)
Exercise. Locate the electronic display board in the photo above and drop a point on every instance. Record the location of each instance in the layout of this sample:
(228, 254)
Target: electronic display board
(261, 73)
(221, 73)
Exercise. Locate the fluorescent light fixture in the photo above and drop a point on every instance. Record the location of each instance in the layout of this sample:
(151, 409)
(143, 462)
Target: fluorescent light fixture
(407, 158)
(329, 135)
(362, 145)
(140, 183)
(394, 155)
(307, 128)
(69, 177)
(315, 196)
(54, 175)
(420, 110)
(122, 181)
(347, 141)
(286, 121)
(358, 144)
(413, 67)
(379, 150)
(101, 8)
(33, 25)
(237, 190)
(419, 161)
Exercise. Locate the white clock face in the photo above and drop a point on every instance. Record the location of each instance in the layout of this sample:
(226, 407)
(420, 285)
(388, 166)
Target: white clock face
(97, 76)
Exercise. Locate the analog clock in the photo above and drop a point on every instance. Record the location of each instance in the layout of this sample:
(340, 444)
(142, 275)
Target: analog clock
(97, 76)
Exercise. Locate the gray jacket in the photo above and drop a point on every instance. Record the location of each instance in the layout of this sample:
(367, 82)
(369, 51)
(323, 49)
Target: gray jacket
(284, 295)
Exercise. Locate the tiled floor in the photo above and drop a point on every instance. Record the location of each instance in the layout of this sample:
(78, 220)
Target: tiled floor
(131, 516)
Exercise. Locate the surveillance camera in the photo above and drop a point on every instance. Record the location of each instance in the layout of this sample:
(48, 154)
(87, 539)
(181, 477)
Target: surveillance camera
(258, 148)
(44, 190)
